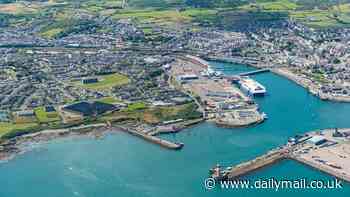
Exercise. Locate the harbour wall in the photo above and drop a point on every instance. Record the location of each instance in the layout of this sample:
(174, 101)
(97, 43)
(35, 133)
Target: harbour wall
(153, 139)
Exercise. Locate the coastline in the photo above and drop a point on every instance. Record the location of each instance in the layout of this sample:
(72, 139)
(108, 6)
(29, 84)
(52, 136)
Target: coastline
(303, 82)
(10, 148)
(13, 147)
(307, 84)
(303, 151)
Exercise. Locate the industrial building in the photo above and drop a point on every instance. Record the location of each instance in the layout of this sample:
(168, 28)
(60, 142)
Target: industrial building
(317, 140)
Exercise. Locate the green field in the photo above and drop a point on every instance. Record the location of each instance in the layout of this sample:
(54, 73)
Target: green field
(135, 107)
(46, 117)
(161, 114)
(304, 12)
(278, 5)
(334, 17)
(154, 115)
(106, 82)
(8, 127)
(153, 16)
(51, 33)
(109, 100)
(59, 18)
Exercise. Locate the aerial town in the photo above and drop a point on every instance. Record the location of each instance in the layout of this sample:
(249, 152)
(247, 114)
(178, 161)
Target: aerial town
(149, 72)
(115, 62)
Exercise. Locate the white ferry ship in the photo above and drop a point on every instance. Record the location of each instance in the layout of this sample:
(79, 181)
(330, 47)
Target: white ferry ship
(252, 87)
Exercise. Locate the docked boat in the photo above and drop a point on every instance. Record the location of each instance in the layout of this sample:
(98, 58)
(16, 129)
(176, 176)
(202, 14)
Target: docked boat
(252, 87)
(264, 116)
(216, 173)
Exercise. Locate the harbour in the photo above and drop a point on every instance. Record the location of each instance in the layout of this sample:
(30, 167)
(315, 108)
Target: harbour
(76, 164)
(220, 101)
(314, 149)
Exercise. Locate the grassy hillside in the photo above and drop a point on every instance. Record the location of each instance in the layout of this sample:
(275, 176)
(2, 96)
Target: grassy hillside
(59, 17)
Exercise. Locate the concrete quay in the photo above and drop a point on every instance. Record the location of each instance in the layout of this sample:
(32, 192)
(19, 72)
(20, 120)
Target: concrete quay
(234, 119)
(327, 151)
(321, 168)
(250, 166)
(174, 128)
(215, 95)
(152, 139)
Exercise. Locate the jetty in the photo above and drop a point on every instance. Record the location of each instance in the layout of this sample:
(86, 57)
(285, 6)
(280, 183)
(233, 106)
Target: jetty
(152, 139)
(254, 72)
(327, 151)
(260, 162)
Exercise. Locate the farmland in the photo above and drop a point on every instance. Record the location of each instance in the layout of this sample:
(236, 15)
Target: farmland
(9, 127)
(59, 18)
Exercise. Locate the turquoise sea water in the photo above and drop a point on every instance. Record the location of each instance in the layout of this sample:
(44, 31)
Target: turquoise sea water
(122, 165)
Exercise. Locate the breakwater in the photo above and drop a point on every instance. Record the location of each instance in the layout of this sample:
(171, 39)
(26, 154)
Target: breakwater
(250, 166)
(270, 158)
(321, 150)
(161, 142)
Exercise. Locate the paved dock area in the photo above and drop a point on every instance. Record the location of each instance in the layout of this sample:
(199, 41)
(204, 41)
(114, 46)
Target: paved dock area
(220, 100)
(324, 150)
(239, 118)
(332, 156)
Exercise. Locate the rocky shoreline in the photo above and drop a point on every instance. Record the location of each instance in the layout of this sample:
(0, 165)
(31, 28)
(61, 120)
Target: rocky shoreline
(13, 147)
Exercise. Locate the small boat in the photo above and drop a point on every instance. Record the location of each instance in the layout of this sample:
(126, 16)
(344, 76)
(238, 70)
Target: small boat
(180, 145)
(265, 117)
